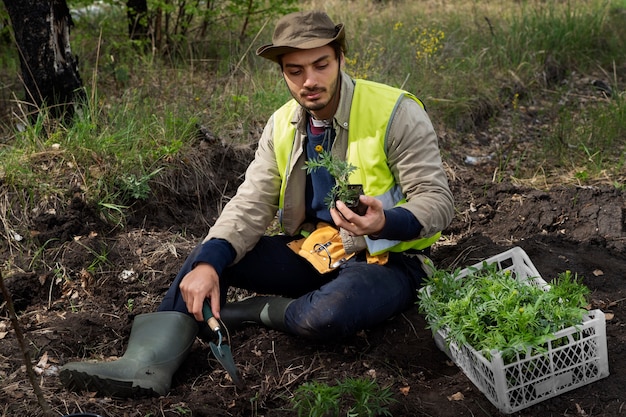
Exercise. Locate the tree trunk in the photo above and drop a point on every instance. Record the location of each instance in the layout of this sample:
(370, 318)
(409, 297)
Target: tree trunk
(137, 11)
(49, 70)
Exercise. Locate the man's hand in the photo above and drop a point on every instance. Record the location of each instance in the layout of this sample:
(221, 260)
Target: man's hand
(201, 283)
(371, 223)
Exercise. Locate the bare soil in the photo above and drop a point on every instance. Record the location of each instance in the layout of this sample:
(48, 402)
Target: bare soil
(77, 298)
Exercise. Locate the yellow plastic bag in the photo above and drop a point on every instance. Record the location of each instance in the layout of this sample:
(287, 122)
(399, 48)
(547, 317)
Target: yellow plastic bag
(323, 248)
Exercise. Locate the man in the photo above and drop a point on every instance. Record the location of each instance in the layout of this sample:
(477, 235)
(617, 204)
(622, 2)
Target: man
(386, 135)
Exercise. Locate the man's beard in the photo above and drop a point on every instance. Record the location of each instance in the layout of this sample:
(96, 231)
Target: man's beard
(316, 105)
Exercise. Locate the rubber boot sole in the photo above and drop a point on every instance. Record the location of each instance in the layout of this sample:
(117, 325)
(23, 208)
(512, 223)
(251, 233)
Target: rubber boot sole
(81, 381)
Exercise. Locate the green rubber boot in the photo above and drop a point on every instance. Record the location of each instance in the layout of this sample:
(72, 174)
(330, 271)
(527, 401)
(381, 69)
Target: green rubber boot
(266, 310)
(158, 344)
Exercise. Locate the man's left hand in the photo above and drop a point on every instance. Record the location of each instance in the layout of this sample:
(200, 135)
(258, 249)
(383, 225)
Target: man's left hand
(371, 223)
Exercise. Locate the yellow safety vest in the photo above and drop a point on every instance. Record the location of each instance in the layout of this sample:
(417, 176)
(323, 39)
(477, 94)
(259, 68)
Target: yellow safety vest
(373, 106)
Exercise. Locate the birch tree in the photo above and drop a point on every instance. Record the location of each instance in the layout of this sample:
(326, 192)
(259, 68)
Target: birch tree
(49, 70)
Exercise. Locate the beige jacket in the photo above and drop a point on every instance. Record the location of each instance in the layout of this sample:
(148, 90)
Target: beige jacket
(412, 152)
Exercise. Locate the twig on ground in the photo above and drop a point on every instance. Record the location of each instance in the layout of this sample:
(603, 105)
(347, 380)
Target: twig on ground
(410, 324)
(25, 354)
(293, 380)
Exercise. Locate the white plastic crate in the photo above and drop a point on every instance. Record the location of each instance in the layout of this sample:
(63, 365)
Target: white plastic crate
(575, 357)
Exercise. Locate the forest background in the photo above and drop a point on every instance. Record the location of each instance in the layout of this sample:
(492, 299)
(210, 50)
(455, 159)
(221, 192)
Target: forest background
(193, 65)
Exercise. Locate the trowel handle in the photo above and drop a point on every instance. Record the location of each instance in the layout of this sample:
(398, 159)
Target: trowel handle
(207, 314)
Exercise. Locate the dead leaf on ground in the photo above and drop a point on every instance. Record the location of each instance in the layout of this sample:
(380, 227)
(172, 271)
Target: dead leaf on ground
(458, 396)
(580, 411)
(3, 329)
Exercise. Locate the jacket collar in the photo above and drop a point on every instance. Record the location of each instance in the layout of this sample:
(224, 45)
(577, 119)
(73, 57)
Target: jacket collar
(342, 116)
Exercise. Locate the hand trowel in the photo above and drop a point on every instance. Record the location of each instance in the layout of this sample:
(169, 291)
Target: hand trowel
(221, 351)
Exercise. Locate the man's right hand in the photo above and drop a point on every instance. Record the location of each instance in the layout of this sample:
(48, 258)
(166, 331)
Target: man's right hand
(200, 283)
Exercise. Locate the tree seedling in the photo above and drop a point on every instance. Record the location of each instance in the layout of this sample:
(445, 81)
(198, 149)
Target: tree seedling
(350, 397)
(340, 170)
(489, 309)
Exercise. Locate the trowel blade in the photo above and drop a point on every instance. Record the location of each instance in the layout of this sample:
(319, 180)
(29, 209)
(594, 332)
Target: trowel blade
(224, 356)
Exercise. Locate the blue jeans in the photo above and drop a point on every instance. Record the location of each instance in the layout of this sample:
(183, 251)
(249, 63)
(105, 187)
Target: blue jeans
(356, 296)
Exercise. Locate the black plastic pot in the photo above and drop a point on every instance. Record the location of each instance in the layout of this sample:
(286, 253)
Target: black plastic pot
(350, 198)
(356, 206)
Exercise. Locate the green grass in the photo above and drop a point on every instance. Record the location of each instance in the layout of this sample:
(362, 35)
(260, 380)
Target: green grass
(473, 65)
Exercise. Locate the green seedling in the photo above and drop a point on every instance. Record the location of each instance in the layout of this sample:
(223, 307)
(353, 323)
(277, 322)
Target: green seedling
(340, 170)
(351, 397)
(491, 310)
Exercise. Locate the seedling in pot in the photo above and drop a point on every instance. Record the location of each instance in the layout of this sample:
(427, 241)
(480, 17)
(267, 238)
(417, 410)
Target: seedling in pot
(340, 170)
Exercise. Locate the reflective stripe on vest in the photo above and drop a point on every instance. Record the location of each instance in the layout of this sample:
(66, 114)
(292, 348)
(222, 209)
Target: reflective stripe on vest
(367, 133)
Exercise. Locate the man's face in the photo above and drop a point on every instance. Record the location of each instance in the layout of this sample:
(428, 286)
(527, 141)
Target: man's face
(312, 76)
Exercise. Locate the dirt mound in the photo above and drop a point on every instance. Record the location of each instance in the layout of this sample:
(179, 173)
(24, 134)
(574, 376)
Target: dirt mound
(509, 213)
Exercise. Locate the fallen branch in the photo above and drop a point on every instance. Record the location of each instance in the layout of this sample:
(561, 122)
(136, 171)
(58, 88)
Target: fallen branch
(25, 355)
